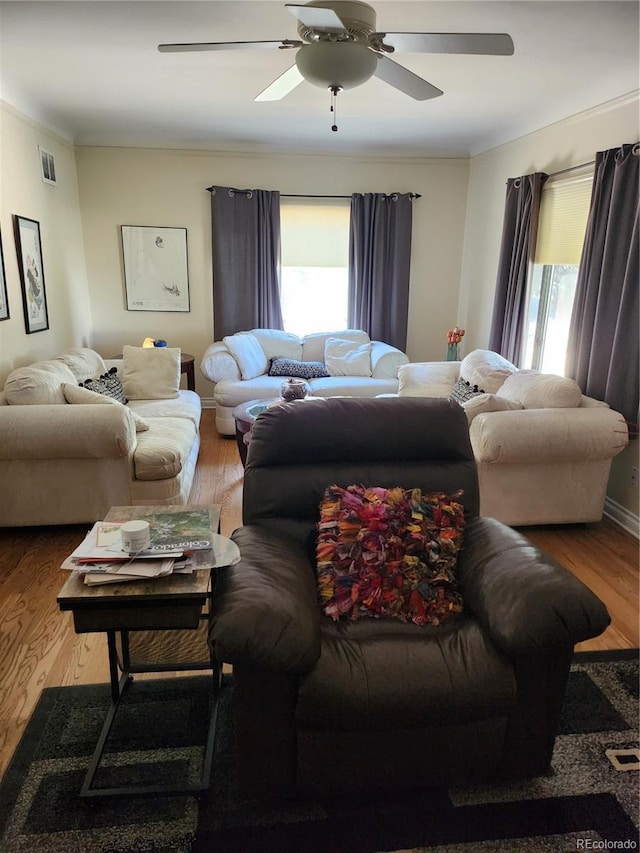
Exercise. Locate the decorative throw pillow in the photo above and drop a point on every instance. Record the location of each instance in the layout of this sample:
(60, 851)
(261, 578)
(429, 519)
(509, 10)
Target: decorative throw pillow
(481, 403)
(246, 349)
(463, 391)
(344, 358)
(82, 395)
(389, 552)
(108, 384)
(300, 369)
(151, 373)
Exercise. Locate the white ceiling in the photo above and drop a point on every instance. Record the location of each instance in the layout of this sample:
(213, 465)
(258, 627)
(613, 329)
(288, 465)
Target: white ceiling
(91, 71)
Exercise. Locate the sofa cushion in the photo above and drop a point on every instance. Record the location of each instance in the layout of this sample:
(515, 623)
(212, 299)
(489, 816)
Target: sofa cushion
(428, 378)
(276, 343)
(81, 395)
(108, 385)
(246, 350)
(164, 449)
(313, 345)
(151, 373)
(300, 369)
(541, 390)
(389, 552)
(481, 403)
(186, 405)
(445, 675)
(352, 386)
(344, 358)
(39, 384)
(83, 362)
(486, 369)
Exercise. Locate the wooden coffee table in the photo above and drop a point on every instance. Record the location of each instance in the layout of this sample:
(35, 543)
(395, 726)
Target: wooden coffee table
(142, 615)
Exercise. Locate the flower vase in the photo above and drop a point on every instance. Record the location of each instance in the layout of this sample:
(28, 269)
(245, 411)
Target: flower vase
(452, 352)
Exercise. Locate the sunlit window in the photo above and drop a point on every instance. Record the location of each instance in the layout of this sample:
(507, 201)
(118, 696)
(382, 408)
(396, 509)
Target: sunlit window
(562, 223)
(315, 259)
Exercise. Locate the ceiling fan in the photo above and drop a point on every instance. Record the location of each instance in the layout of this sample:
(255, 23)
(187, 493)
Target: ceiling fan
(339, 48)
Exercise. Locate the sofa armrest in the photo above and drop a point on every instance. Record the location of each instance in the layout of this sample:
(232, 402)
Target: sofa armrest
(66, 432)
(218, 364)
(386, 360)
(528, 603)
(264, 610)
(428, 378)
(548, 435)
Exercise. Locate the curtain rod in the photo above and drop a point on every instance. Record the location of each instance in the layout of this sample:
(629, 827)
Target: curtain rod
(304, 195)
(571, 169)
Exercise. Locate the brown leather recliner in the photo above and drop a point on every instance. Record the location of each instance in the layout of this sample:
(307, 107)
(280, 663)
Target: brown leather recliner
(323, 708)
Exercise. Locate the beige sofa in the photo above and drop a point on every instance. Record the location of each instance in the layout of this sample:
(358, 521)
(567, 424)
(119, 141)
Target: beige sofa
(543, 449)
(239, 367)
(67, 462)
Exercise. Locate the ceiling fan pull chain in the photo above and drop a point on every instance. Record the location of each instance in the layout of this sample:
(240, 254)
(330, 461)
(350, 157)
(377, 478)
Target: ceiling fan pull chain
(334, 96)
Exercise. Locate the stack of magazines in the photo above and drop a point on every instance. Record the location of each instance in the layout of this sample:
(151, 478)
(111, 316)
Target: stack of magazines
(100, 557)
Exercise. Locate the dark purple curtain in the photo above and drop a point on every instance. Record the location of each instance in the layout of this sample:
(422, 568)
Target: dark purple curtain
(379, 265)
(519, 232)
(245, 230)
(603, 351)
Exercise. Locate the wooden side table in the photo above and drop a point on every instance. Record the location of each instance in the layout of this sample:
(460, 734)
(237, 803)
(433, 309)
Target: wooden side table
(187, 366)
(176, 603)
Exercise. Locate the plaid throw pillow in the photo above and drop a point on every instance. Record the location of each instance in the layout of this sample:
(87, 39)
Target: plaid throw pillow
(108, 385)
(463, 391)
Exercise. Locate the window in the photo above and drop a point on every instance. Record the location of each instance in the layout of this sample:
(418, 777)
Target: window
(561, 228)
(314, 276)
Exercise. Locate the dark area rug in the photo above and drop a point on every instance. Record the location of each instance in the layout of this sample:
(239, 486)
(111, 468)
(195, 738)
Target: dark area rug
(159, 735)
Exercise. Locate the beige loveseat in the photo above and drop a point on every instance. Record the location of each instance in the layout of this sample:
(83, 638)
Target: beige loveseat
(543, 449)
(67, 454)
(240, 364)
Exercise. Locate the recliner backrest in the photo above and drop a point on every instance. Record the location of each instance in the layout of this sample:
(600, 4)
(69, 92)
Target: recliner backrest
(298, 449)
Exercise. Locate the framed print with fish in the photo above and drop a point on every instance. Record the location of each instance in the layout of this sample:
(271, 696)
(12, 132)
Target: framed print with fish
(155, 268)
(34, 297)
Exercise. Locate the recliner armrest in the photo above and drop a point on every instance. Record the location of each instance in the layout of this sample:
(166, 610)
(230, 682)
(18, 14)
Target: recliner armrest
(526, 601)
(264, 610)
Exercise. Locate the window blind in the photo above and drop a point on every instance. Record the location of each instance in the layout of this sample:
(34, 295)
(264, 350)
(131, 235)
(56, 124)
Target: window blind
(314, 233)
(562, 221)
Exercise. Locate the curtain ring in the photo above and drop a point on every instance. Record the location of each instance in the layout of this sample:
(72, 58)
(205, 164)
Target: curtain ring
(394, 197)
(636, 149)
(249, 193)
(231, 194)
(517, 182)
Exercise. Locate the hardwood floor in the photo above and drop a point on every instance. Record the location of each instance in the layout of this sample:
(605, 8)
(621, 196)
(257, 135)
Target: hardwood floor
(39, 648)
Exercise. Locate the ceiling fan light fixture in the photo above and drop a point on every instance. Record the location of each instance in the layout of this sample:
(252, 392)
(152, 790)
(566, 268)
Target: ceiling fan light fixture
(343, 64)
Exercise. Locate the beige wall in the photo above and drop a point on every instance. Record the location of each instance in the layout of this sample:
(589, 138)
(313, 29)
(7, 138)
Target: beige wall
(567, 143)
(57, 209)
(167, 188)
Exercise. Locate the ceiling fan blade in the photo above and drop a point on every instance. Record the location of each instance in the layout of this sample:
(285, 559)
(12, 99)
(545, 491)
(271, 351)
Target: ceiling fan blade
(317, 18)
(491, 44)
(227, 45)
(281, 86)
(404, 80)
